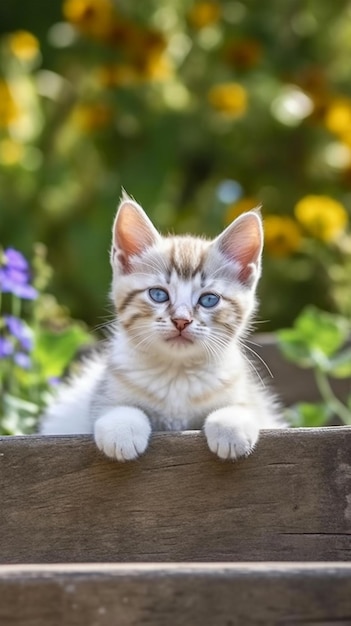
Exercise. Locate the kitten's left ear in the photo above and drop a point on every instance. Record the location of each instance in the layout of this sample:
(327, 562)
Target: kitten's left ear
(242, 244)
(133, 232)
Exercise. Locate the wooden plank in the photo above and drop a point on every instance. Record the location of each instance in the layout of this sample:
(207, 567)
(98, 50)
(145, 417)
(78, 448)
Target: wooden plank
(63, 501)
(174, 595)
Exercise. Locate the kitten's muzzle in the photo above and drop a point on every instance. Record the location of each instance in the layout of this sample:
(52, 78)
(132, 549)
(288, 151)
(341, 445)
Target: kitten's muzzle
(181, 323)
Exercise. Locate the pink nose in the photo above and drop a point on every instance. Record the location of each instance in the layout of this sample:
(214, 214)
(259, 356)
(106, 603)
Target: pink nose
(180, 324)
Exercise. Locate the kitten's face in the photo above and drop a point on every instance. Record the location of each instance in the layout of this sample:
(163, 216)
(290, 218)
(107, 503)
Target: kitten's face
(180, 297)
(170, 302)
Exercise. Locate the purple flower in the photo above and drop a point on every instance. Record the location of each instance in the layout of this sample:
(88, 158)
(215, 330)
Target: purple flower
(26, 292)
(5, 281)
(22, 360)
(54, 381)
(6, 347)
(20, 331)
(14, 324)
(14, 276)
(15, 260)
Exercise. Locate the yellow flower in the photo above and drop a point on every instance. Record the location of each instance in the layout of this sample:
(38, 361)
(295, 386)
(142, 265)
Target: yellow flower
(282, 235)
(144, 54)
(228, 98)
(346, 137)
(9, 111)
(23, 45)
(148, 55)
(11, 152)
(239, 207)
(91, 17)
(322, 217)
(92, 117)
(204, 14)
(156, 68)
(338, 116)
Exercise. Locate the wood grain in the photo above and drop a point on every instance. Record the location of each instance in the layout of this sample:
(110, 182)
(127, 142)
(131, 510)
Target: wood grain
(176, 595)
(62, 501)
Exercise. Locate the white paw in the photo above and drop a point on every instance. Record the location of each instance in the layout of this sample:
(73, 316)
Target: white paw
(231, 432)
(122, 433)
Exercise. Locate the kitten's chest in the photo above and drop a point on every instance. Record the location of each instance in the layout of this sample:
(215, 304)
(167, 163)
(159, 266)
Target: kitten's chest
(178, 399)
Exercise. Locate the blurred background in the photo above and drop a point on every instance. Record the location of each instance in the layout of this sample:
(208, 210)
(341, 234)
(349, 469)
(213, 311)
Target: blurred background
(200, 110)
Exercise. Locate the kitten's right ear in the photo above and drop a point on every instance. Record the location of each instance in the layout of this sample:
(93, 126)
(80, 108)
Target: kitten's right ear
(133, 232)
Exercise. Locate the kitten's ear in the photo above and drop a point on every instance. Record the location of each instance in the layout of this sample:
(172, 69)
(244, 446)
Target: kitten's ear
(242, 244)
(133, 232)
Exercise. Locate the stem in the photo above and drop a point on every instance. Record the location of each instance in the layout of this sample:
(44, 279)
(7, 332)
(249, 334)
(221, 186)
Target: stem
(35, 387)
(16, 309)
(2, 376)
(330, 398)
(16, 306)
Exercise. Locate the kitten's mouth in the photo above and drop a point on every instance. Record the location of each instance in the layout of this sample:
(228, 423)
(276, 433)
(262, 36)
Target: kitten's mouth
(179, 340)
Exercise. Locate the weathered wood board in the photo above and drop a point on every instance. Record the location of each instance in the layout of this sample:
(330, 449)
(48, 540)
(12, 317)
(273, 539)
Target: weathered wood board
(220, 594)
(62, 501)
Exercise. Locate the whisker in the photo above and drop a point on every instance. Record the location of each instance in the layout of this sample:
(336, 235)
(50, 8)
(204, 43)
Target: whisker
(104, 325)
(157, 265)
(252, 366)
(259, 358)
(253, 343)
(210, 352)
(147, 340)
(223, 268)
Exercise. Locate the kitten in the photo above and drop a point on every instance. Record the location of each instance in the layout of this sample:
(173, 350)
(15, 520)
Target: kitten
(174, 360)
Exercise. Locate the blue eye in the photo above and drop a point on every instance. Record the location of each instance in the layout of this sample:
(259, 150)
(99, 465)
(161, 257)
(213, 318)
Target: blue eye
(158, 295)
(209, 300)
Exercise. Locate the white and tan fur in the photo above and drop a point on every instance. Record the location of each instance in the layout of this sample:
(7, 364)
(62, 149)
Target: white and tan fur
(175, 364)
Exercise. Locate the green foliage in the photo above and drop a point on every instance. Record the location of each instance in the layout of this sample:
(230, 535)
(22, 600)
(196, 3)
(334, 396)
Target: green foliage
(38, 341)
(315, 336)
(200, 110)
(318, 340)
(309, 414)
(54, 351)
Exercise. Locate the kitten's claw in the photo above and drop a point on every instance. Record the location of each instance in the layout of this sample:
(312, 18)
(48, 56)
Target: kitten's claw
(122, 433)
(228, 436)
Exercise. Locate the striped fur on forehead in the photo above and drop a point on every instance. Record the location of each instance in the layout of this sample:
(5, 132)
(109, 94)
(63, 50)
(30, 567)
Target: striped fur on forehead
(187, 255)
(183, 255)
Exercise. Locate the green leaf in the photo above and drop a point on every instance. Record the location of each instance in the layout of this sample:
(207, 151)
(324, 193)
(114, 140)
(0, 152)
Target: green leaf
(20, 404)
(308, 414)
(54, 351)
(20, 416)
(315, 336)
(294, 349)
(322, 331)
(340, 365)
